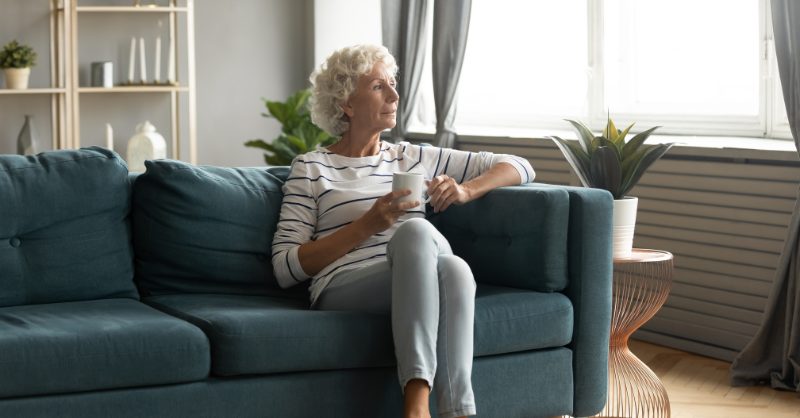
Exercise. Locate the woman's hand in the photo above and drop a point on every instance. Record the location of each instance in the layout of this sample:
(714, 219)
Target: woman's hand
(444, 191)
(385, 211)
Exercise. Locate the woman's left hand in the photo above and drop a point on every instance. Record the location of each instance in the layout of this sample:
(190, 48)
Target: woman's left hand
(444, 191)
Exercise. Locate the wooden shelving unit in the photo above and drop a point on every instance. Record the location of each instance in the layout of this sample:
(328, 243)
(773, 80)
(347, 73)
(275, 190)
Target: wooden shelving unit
(187, 88)
(60, 111)
(135, 9)
(133, 89)
(34, 91)
(65, 89)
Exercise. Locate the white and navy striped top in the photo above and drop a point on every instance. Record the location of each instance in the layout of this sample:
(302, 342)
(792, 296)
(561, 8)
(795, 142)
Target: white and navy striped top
(326, 191)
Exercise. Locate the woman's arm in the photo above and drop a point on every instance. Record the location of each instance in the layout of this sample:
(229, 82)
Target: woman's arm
(445, 191)
(315, 255)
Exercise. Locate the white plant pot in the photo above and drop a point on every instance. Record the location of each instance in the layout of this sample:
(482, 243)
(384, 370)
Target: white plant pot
(624, 224)
(17, 78)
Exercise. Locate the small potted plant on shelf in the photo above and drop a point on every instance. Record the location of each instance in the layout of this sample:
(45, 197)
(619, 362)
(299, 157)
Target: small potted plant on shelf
(298, 134)
(609, 162)
(16, 61)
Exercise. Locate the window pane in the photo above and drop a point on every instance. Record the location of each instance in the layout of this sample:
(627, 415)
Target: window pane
(525, 61)
(682, 56)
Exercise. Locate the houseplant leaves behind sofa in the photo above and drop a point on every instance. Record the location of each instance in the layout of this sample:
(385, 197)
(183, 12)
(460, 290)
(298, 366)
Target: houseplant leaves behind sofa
(16, 61)
(609, 162)
(298, 135)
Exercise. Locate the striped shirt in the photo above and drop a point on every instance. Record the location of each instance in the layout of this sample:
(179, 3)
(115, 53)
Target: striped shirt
(326, 191)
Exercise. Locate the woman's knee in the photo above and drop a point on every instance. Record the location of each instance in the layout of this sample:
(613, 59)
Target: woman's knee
(454, 271)
(413, 230)
(416, 236)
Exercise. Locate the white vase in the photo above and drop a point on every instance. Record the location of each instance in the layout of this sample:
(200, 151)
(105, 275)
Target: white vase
(147, 144)
(624, 224)
(17, 78)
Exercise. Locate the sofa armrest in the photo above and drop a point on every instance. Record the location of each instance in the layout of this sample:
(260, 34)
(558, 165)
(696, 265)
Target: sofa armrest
(513, 236)
(547, 238)
(590, 279)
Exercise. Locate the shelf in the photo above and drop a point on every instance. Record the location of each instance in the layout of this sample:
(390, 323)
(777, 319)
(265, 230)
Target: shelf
(129, 9)
(66, 94)
(34, 91)
(133, 89)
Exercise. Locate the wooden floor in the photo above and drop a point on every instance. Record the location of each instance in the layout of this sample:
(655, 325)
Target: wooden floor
(698, 387)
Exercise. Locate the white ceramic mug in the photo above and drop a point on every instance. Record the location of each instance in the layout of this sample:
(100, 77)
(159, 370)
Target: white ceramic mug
(413, 181)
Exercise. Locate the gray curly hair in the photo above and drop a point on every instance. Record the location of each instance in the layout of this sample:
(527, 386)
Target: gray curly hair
(336, 80)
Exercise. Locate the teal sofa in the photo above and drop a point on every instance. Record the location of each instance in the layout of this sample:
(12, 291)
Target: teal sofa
(153, 296)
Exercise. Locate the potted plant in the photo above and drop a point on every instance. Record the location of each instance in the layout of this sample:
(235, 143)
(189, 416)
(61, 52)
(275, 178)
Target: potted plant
(610, 162)
(298, 134)
(16, 61)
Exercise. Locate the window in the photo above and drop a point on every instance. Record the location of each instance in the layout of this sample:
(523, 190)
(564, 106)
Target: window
(674, 63)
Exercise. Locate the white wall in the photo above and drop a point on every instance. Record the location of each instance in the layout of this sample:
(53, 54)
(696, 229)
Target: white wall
(342, 23)
(245, 50)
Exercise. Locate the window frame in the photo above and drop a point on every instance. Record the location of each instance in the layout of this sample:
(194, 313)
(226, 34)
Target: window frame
(765, 125)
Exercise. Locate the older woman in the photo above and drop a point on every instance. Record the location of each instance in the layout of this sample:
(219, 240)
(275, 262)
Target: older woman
(364, 249)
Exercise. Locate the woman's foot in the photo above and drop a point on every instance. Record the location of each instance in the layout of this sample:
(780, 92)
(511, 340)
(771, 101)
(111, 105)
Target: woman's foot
(417, 395)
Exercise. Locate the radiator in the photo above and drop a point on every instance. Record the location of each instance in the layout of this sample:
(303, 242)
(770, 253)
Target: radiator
(725, 221)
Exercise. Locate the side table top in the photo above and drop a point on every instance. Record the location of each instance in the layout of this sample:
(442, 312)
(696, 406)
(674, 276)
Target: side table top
(643, 255)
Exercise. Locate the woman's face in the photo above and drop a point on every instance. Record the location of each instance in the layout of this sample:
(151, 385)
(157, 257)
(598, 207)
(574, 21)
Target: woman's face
(373, 106)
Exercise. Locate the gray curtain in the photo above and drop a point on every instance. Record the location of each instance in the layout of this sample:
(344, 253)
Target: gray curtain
(404, 34)
(773, 356)
(450, 27)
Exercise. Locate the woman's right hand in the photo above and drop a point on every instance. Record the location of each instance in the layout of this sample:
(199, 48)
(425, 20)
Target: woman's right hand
(385, 211)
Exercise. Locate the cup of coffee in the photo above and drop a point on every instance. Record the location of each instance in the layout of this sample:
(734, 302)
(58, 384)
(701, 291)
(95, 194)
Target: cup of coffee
(413, 181)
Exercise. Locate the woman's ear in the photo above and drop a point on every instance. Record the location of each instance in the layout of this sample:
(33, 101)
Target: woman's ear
(347, 108)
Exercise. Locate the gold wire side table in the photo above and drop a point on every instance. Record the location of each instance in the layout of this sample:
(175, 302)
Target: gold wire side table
(640, 287)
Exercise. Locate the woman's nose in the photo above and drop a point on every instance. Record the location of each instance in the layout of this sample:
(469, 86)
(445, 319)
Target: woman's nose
(393, 96)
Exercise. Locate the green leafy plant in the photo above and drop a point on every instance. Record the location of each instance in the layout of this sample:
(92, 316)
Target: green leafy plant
(298, 135)
(16, 55)
(608, 161)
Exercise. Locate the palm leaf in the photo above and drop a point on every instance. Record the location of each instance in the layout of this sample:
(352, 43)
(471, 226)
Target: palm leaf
(606, 170)
(622, 136)
(611, 131)
(280, 148)
(277, 110)
(276, 160)
(585, 135)
(298, 143)
(603, 142)
(257, 143)
(300, 100)
(637, 140)
(577, 158)
(298, 132)
(649, 156)
(324, 139)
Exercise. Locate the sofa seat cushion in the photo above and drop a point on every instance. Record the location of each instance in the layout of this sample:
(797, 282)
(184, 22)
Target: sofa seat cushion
(265, 334)
(91, 345)
(510, 320)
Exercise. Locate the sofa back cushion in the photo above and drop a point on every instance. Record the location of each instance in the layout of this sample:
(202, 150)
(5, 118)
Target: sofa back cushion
(64, 227)
(201, 229)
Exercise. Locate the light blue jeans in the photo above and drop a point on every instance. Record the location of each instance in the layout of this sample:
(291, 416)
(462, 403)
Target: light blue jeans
(431, 296)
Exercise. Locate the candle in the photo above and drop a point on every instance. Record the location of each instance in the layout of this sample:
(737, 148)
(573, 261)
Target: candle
(171, 61)
(157, 74)
(109, 137)
(132, 61)
(142, 65)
